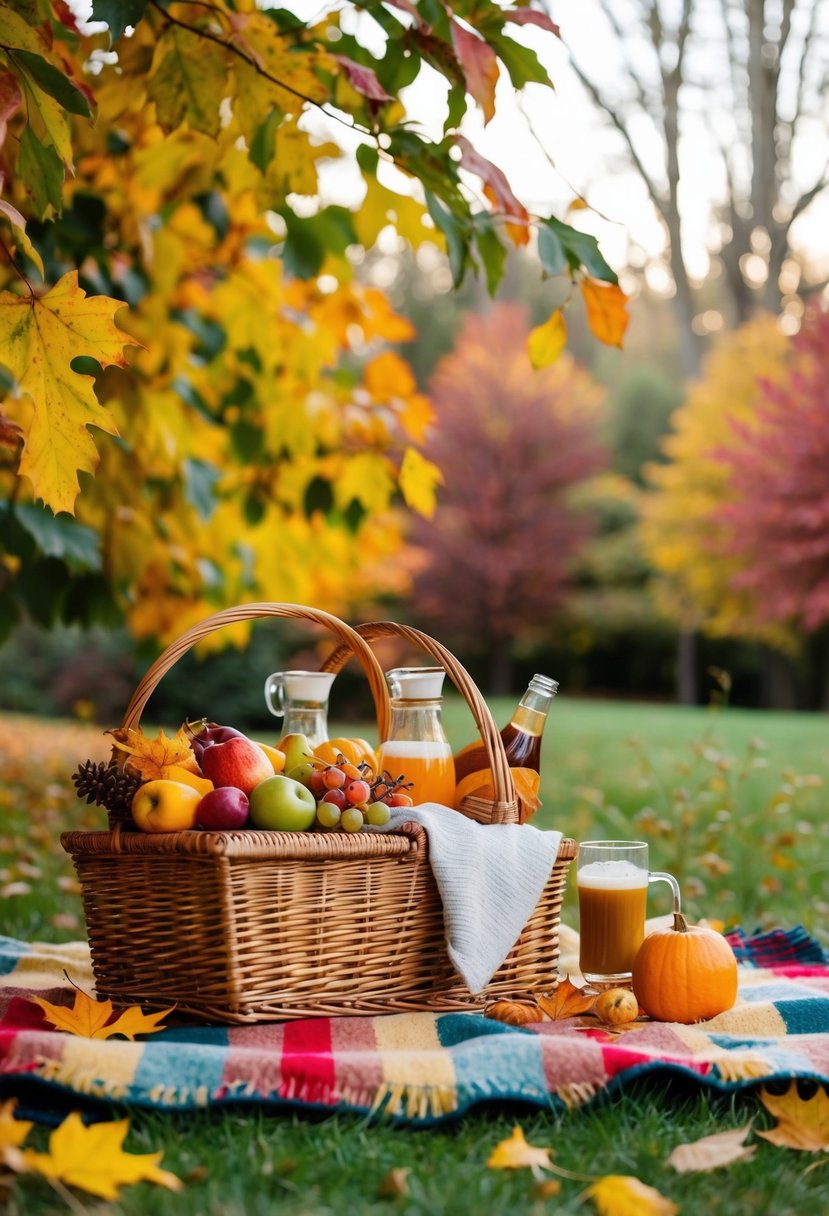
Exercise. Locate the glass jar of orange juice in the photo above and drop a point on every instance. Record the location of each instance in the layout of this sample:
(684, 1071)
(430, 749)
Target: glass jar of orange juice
(417, 746)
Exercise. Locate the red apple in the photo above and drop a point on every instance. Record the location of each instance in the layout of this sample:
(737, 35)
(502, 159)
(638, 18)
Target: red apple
(238, 762)
(223, 810)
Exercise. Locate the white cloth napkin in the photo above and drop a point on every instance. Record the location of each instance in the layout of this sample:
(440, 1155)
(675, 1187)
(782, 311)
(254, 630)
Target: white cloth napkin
(490, 878)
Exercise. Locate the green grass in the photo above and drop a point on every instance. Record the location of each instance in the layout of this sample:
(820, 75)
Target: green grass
(748, 840)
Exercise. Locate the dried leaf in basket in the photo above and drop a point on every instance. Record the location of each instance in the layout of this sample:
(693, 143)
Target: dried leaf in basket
(151, 757)
(567, 1001)
(91, 1019)
(479, 785)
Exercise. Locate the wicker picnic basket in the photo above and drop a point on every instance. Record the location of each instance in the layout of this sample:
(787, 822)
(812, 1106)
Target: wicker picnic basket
(253, 926)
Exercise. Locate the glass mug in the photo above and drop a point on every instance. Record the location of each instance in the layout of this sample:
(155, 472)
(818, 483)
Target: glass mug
(613, 879)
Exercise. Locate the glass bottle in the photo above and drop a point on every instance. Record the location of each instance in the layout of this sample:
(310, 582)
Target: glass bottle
(417, 746)
(521, 736)
(300, 698)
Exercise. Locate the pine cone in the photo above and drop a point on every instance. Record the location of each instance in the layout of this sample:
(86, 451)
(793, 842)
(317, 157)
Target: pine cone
(106, 784)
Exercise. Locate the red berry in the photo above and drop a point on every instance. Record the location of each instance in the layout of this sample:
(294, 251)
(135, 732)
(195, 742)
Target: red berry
(357, 791)
(337, 797)
(333, 777)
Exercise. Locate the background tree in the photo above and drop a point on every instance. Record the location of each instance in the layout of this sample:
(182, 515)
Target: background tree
(511, 443)
(774, 528)
(251, 432)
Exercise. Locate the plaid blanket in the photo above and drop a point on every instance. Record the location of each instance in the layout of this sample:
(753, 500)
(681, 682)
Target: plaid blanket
(417, 1067)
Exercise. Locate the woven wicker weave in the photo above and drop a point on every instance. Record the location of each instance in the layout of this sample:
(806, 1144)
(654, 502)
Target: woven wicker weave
(254, 926)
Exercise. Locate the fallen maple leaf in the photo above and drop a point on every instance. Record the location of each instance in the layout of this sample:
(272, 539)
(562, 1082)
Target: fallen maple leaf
(91, 1019)
(516, 1154)
(622, 1195)
(150, 757)
(92, 1158)
(802, 1123)
(711, 1152)
(567, 1001)
(12, 1131)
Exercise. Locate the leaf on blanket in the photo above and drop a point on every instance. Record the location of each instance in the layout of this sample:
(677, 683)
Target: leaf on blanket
(622, 1195)
(711, 1152)
(91, 1019)
(12, 1131)
(567, 1001)
(149, 757)
(802, 1114)
(516, 1154)
(92, 1158)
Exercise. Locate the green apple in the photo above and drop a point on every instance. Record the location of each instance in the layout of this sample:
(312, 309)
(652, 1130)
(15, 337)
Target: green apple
(297, 748)
(281, 804)
(302, 772)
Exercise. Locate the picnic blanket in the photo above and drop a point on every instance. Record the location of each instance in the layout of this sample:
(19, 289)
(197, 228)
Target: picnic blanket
(414, 1067)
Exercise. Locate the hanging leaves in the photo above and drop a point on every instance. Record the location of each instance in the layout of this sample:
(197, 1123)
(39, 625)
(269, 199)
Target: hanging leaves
(712, 1152)
(548, 340)
(607, 313)
(419, 479)
(92, 1019)
(93, 1159)
(151, 757)
(622, 1195)
(39, 338)
(802, 1114)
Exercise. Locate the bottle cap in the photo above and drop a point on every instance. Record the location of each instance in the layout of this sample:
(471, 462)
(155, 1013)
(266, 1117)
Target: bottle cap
(544, 684)
(416, 683)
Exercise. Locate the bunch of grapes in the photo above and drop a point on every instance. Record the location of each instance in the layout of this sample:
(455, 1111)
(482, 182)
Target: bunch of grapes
(349, 796)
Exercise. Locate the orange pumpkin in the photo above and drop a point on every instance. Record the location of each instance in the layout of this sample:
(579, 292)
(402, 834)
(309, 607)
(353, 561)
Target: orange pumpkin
(354, 750)
(686, 973)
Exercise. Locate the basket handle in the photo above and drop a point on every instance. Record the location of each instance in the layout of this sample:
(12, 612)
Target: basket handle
(504, 807)
(348, 637)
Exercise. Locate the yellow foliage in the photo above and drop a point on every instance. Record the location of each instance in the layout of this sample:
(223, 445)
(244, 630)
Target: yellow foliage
(679, 538)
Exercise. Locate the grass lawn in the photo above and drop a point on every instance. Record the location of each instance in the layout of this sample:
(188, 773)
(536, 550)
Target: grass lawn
(733, 802)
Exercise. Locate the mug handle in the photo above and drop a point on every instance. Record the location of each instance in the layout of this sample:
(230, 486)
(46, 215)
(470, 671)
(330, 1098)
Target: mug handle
(275, 694)
(661, 876)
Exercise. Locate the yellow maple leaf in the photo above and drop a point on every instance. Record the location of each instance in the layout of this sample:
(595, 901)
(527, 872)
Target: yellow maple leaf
(92, 1158)
(802, 1122)
(54, 405)
(12, 1131)
(623, 1195)
(516, 1154)
(567, 1001)
(150, 757)
(548, 340)
(419, 479)
(607, 313)
(91, 1019)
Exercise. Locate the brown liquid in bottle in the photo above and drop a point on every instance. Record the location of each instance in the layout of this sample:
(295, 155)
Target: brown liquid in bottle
(521, 736)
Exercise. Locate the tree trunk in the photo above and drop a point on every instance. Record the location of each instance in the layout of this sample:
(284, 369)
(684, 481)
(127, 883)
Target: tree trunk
(500, 669)
(779, 683)
(687, 679)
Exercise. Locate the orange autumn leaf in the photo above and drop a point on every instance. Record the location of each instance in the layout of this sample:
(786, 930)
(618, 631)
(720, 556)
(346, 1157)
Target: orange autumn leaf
(607, 313)
(92, 1158)
(516, 1154)
(622, 1195)
(802, 1122)
(567, 1001)
(91, 1019)
(150, 757)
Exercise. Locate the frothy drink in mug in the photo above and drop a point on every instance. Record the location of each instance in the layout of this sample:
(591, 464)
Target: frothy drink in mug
(612, 900)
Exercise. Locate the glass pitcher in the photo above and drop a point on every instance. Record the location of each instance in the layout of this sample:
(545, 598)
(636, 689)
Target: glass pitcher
(417, 746)
(300, 698)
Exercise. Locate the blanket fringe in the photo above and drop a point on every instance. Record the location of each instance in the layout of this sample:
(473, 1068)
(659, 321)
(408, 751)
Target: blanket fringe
(414, 1101)
(577, 1093)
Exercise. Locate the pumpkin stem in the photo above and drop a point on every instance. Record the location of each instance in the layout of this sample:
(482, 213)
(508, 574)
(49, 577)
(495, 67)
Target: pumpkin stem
(680, 923)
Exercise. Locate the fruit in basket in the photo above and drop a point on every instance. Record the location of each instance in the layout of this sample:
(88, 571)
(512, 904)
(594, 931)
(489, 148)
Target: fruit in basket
(204, 734)
(174, 772)
(223, 810)
(238, 762)
(302, 773)
(297, 749)
(162, 805)
(282, 805)
(354, 750)
(276, 757)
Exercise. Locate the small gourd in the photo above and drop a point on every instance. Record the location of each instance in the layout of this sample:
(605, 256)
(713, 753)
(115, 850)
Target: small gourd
(685, 973)
(514, 1013)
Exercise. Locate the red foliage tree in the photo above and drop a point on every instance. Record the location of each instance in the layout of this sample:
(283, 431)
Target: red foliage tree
(511, 441)
(778, 518)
